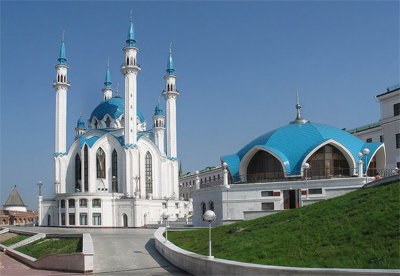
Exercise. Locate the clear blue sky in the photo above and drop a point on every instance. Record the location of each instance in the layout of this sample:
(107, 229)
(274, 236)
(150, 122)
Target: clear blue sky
(239, 65)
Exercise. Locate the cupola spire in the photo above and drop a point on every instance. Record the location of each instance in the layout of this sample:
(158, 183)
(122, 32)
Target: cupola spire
(170, 64)
(299, 120)
(131, 41)
(107, 82)
(61, 59)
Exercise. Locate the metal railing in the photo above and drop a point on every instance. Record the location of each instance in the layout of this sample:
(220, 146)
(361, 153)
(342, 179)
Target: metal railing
(211, 184)
(382, 172)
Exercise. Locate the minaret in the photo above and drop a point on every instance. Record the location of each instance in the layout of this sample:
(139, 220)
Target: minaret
(158, 127)
(130, 69)
(170, 93)
(61, 85)
(107, 90)
(80, 128)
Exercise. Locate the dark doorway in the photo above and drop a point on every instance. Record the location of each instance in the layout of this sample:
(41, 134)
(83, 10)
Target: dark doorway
(48, 220)
(291, 199)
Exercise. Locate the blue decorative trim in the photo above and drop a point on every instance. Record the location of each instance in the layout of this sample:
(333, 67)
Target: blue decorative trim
(173, 158)
(127, 146)
(57, 154)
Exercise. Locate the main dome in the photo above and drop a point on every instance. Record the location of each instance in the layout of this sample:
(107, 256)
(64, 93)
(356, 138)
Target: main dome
(114, 107)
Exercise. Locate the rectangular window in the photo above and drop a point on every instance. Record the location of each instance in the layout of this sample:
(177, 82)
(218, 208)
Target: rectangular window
(315, 191)
(397, 140)
(219, 177)
(96, 203)
(267, 206)
(267, 193)
(369, 140)
(62, 203)
(71, 203)
(96, 219)
(83, 219)
(396, 109)
(71, 218)
(164, 205)
(176, 205)
(381, 138)
(83, 202)
(62, 218)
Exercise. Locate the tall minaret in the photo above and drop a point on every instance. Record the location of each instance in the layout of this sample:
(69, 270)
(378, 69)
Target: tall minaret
(170, 93)
(158, 127)
(61, 86)
(130, 69)
(107, 90)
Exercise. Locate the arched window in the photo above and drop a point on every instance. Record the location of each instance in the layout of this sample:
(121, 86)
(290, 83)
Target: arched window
(115, 171)
(65, 78)
(211, 205)
(77, 173)
(58, 78)
(328, 161)
(125, 220)
(203, 208)
(149, 173)
(127, 61)
(263, 166)
(101, 163)
(86, 168)
(108, 122)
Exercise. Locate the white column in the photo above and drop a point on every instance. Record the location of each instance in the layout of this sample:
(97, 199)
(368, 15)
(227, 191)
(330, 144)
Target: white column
(40, 213)
(66, 212)
(77, 222)
(225, 173)
(197, 181)
(360, 168)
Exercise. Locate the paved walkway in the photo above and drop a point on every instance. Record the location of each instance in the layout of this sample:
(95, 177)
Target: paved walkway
(119, 251)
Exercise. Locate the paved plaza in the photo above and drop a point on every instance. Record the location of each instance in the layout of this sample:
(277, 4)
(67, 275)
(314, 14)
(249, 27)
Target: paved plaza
(122, 251)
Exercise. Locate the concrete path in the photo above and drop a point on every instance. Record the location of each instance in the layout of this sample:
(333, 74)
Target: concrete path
(120, 251)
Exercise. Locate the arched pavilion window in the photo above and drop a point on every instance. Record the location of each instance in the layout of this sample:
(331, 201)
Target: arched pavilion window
(203, 209)
(328, 161)
(108, 122)
(263, 166)
(86, 169)
(101, 163)
(149, 173)
(211, 204)
(78, 174)
(115, 171)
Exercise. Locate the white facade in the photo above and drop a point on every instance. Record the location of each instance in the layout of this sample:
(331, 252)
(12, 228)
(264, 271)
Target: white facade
(387, 130)
(117, 174)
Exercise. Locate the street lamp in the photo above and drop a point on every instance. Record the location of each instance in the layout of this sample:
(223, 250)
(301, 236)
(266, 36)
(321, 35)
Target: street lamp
(114, 182)
(209, 216)
(227, 188)
(181, 191)
(306, 167)
(165, 215)
(366, 152)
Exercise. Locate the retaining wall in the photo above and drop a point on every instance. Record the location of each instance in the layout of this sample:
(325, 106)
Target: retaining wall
(202, 265)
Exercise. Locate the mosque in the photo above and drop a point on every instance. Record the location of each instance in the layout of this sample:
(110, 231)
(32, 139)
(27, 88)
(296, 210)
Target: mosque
(117, 173)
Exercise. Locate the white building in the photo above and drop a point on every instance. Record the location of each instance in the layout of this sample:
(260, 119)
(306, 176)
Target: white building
(118, 173)
(269, 174)
(387, 130)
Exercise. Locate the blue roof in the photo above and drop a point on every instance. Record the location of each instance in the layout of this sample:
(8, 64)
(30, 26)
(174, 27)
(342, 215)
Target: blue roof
(113, 107)
(107, 81)
(130, 40)
(92, 136)
(159, 110)
(80, 123)
(61, 59)
(170, 65)
(292, 143)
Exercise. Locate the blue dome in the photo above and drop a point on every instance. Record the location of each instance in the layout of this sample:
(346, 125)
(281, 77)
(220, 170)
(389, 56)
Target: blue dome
(113, 107)
(80, 123)
(158, 110)
(292, 143)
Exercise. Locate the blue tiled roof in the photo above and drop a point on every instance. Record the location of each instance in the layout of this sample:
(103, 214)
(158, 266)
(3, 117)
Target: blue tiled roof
(158, 110)
(61, 59)
(293, 142)
(170, 66)
(80, 123)
(92, 136)
(130, 40)
(113, 107)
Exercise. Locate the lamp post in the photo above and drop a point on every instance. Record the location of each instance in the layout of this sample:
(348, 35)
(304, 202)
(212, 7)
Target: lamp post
(136, 178)
(366, 152)
(149, 188)
(227, 188)
(209, 216)
(306, 167)
(180, 191)
(165, 215)
(114, 181)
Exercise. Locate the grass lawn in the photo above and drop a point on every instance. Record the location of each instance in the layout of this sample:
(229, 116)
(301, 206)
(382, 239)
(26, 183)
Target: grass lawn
(42, 247)
(358, 230)
(14, 240)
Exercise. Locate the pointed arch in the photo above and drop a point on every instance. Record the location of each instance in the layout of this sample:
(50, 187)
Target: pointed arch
(101, 163)
(86, 168)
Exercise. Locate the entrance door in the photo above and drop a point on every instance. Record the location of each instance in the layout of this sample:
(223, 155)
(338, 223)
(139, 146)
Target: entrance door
(125, 219)
(291, 199)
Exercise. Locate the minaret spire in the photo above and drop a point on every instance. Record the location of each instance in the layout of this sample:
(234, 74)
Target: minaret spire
(107, 90)
(298, 118)
(131, 41)
(170, 63)
(61, 59)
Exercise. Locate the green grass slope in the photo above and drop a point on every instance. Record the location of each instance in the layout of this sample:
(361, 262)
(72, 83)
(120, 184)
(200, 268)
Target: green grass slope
(357, 230)
(42, 247)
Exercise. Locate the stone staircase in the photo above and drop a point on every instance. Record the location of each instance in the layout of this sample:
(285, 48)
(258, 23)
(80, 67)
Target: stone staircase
(5, 230)
(28, 240)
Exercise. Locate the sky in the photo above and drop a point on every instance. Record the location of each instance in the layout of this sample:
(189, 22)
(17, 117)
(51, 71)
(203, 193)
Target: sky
(238, 63)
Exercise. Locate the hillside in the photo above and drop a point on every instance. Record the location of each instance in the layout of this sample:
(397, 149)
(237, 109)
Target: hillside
(357, 230)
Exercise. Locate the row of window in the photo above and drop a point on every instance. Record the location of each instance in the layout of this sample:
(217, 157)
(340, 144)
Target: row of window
(316, 191)
(83, 219)
(369, 140)
(96, 203)
(164, 205)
